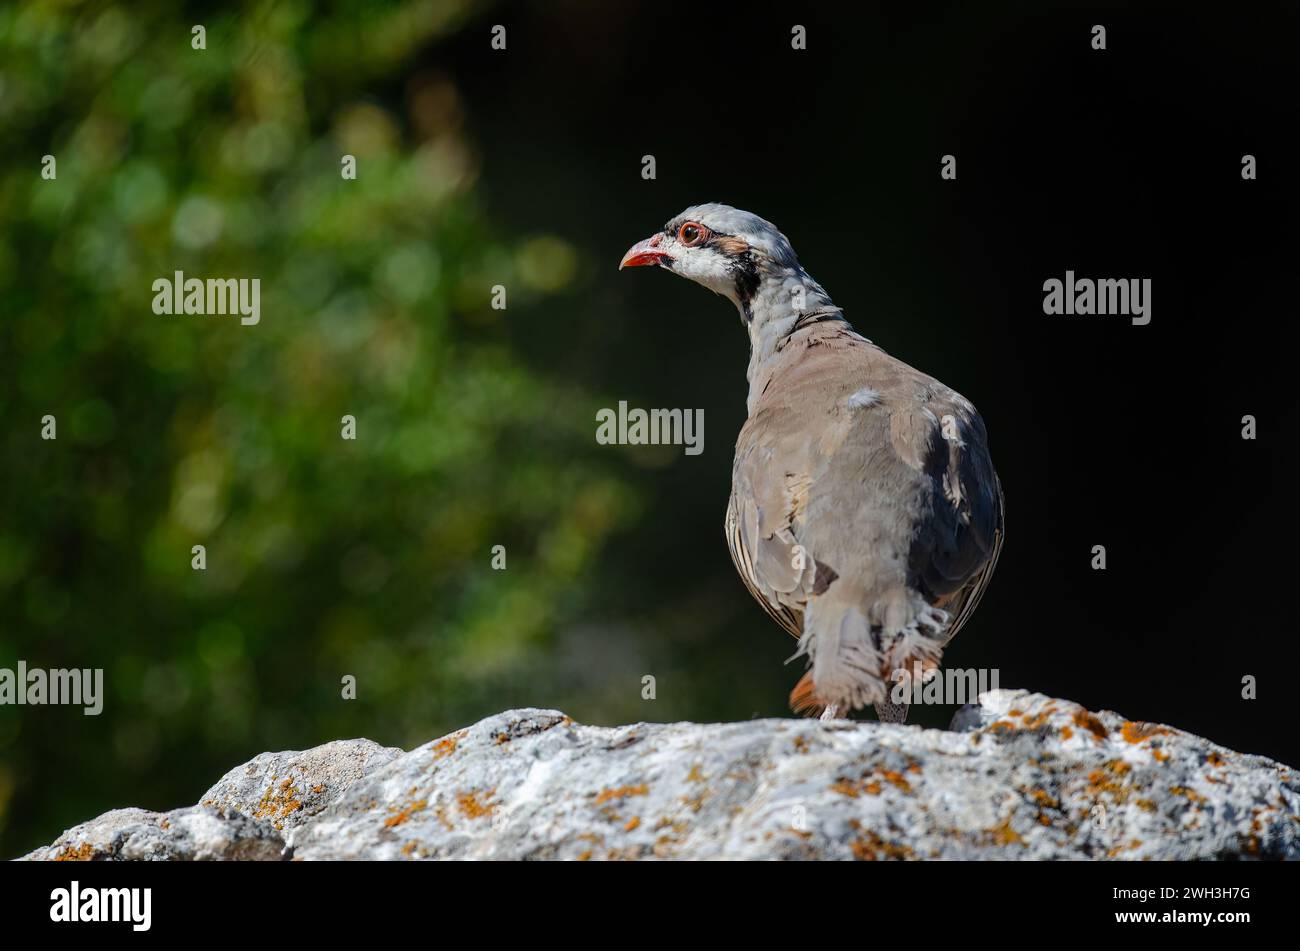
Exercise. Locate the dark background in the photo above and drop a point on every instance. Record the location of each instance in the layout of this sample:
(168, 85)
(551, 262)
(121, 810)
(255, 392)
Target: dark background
(1122, 162)
(477, 427)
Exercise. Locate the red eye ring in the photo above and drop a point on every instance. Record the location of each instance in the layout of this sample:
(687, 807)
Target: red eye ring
(692, 233)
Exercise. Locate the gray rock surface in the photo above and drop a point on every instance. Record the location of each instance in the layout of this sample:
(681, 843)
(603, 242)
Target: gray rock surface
(182, 835)
(1027, 777)
(288, 789)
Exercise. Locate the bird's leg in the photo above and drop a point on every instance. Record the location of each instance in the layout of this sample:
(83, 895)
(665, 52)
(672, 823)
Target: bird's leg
(889, 712)
(831, 712)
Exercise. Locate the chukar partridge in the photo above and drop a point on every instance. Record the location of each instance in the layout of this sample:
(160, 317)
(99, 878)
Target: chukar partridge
(865, 513)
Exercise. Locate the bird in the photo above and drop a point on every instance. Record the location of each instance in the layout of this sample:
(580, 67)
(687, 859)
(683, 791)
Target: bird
(865, 514)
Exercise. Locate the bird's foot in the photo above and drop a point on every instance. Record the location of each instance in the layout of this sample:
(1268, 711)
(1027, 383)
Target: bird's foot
(887, 711)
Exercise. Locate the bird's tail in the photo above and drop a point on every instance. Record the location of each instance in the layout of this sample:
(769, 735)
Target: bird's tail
(845, 660)
(852, 661)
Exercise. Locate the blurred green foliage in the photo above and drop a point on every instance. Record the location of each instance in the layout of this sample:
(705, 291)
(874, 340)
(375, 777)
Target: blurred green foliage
(325, 557)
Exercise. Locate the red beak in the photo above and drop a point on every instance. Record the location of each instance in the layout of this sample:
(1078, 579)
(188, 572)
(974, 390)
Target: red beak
(643, 253)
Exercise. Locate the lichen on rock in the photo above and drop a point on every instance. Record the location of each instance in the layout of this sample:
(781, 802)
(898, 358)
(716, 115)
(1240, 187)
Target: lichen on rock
(1021, 776)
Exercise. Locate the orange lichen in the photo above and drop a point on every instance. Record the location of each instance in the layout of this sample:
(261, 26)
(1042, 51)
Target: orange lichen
(695, 776)
(81, 853)
(1043, 799)
(663, 846)
(1003, 834)
(1136, 732)
(278, 802)
(1108, 779)
(1038, 721)
(870, 783)
(632, 824)
(695, 803)
(1122, 847)
(472, 808)
(402, 815)
(622, 792)
(897, 779)
(871, 847)
(444, 748)
(1089, 721)
(628, 853)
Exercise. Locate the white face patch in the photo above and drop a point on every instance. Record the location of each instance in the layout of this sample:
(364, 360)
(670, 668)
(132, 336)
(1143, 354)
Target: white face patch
(863, 398)
(705, 267)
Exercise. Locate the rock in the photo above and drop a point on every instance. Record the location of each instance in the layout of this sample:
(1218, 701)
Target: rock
(1029, 777)
(192, 834)
(969, 716)
(476, 793)
(287, 789)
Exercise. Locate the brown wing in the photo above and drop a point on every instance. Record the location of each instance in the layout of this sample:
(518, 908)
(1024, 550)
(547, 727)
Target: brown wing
(959, 536)
(741, 545)
(962, 604)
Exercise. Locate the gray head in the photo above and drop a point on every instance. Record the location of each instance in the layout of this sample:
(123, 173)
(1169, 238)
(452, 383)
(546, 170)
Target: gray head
(736, 254)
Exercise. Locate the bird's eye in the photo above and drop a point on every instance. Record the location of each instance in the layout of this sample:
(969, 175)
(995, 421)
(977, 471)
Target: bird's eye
(691, 233)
